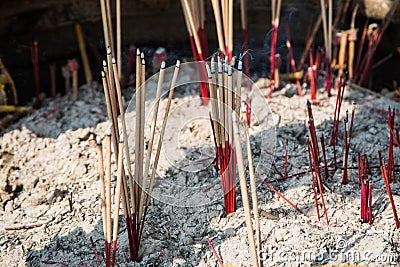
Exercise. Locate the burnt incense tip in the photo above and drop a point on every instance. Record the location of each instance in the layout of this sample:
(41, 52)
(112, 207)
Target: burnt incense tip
(229, 70)
(138, 52)
(121, 139)
(113, 61)
(163, 65)
(225, 66)
(209, 75)
(308, 103)
(178, 63)
(219, 66)
(98, 140)
(103, 74)
(226, 59)
(104, 63)
(142, 55)
(143, 62)
(108, 51)
(108, 133)
(240, 65)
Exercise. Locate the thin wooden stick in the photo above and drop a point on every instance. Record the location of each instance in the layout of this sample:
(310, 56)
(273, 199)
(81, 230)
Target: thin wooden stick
(151, 138)
(253, 191)
(108, 196)
(138, 123)
(217, 15)
(243, 190)
(119, 38)
(160, 139)
(186, 6)
(105, 23)
(238, 98)
(117, 197)
(84, 56)
(109, 24)
(99, 147)
(124, 135)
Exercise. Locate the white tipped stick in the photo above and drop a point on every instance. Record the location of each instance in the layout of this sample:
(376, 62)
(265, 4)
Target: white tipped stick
(126, 144)
(137, 126)
(244, 192)
(109, 24)
(151, 140)
(238, 97)
(99, 147)
(160, 139)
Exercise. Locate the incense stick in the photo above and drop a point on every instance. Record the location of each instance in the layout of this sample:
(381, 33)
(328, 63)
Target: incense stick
(253, 191)
(244, 193)
(99, 147)
(108, 196)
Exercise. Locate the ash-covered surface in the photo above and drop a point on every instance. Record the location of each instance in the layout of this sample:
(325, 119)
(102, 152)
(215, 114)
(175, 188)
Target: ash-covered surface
(49, 176)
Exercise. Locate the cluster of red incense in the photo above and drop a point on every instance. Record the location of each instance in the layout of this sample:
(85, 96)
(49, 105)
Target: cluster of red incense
(335, 124)
(131, 189)
(373, 33)
(313, 157)
(365, 188)
(224, 99)
(195, 23)
(275, 14)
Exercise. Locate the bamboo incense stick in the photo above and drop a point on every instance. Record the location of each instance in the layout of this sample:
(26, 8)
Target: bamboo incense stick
(238, 97)
(99, 147)
(108, 196)
(151, 138)
(124, 135)
(84, 56)
(109, 24)
(105, 23)
(117, 197)
(217, 15)
(253, 191)
(137, 127)
(119, 38)
(244, 193)
(352, 34)
(164, 123)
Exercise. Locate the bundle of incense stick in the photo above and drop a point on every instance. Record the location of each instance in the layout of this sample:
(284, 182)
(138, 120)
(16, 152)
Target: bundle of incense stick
(365, 190)
(223, 14)
(275, 14)
(194, 14)
(132, 189)
(313, 156)
(223, 100)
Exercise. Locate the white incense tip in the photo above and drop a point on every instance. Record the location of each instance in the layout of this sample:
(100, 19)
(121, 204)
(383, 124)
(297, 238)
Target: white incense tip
(138, 52)
(108, 133)
(113, 61)
(121, 139)
(235, 125)
(219, 66)
(212, 65)
(143, 62)
(233, 61)
(108, 51)
(104, 63)
(163, 65)
(208, 71)
(226, 59)
(178, 63)
(240, 65)
(142, 55)
(229, 70)
(226, 67)
(103, 74)
(98, 140)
